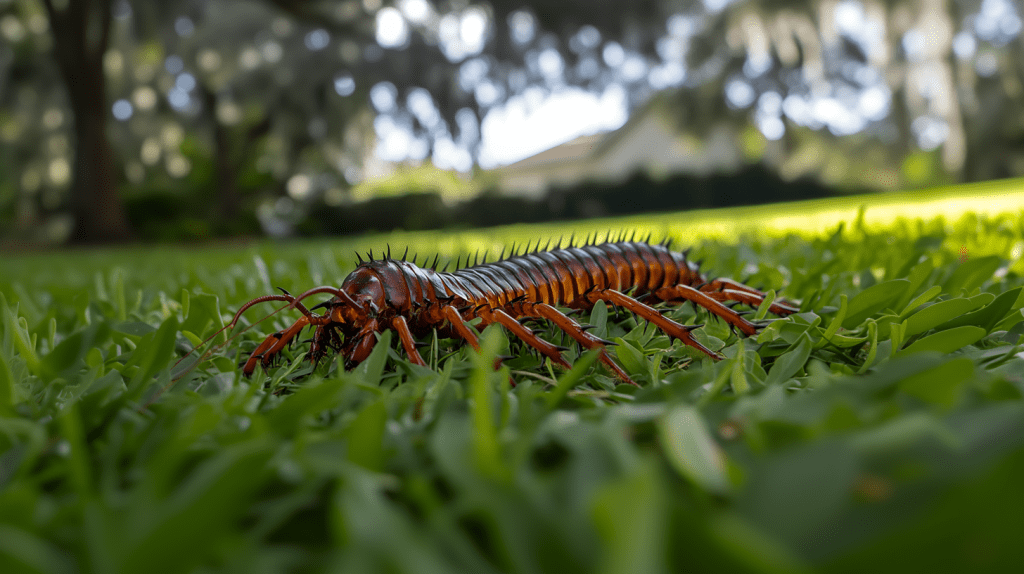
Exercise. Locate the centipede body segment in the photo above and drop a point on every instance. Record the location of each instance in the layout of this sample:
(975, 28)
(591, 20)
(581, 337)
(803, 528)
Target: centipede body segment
(396, 294)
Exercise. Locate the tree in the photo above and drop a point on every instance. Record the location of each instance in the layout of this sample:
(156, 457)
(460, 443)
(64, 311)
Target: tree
(81, 34)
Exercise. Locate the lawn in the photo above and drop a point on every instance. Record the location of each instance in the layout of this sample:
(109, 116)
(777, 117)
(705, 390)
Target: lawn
(881, 428)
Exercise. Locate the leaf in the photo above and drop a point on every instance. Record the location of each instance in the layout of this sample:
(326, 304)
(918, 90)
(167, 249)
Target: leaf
(202, 310)
(569, 379)
(599, 319)
(800, 491)
(691, 450)
(972, 274)
(152, 354)
(991, 315)
(946, 341)
(8, 393)
(872, 348)
(185, 530)
(133, 328)
(833, 326)
(372, 368)
(923, 298)
(790, 363)
(630, 516)
(366, 437)
(27, 552)
(937, 314)
(21, 338)
(70, 353)
(942, 385)
(898, 434)
(311, 399)
(630, 357)
(874, 299)
(917, 277)
(485, 434)
(738, 378)
(766, 303)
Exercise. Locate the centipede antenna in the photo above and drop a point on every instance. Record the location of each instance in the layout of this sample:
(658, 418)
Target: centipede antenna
(404, 255)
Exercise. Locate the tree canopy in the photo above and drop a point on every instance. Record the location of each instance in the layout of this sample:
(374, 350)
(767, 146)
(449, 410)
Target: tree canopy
(243, 108)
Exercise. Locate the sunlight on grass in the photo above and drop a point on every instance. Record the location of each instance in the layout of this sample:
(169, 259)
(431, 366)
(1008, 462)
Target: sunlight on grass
(806, 218)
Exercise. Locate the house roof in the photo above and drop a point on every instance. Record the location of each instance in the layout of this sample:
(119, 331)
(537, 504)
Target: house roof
(587, 146)
(573, 150)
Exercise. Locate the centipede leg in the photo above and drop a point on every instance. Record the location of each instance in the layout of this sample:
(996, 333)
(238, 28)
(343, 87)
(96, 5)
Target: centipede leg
(705, 300)
(549, 350)
(408, 343)
(670, 327)
(452, 314)
(724, 289)
(273, 345)
(575, 330)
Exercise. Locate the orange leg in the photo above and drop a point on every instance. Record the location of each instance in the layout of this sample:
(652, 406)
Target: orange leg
(707, 301)
(408, 343)
(273, 344)
(549, 350)
(724, 289)
(575, 330)
(670, 327)
(452, 314)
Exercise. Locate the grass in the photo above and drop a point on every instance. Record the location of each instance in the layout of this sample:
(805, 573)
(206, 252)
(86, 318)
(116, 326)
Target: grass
(882, 427)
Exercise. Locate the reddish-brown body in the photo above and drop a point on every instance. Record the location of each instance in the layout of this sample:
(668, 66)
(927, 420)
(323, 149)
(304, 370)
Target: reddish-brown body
(397, 294)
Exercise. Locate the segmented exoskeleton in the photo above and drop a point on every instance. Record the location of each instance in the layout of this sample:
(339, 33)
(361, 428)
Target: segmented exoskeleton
(392, 293)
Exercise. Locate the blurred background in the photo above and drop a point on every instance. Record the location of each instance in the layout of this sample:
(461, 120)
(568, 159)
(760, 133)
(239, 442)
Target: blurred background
(183, 120)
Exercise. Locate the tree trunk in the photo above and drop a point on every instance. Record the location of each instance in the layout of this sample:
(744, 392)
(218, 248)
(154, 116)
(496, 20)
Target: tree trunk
(98, 209)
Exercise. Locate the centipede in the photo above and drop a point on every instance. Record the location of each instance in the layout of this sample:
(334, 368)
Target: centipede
(532, 283)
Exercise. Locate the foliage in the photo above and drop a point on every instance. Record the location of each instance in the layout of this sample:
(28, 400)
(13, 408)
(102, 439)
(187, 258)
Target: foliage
(276, 95)
(879, 428)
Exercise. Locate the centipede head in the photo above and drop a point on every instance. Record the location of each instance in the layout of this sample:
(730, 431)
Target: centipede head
(346, 326)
